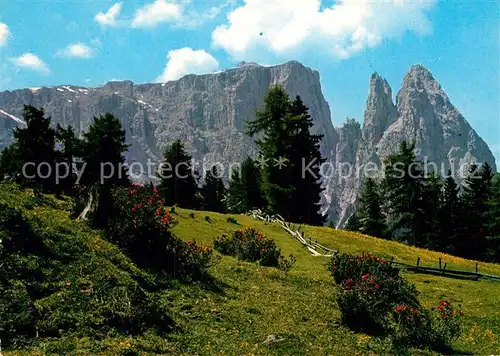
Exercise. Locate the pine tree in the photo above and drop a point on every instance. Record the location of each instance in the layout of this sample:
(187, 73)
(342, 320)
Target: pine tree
(450, 210)
(369, 215)
(492, 223)
(353, 223)
(305, 149)
(102, 150)
(274, 145)
(66, 137)
(32, 156)
(10, 162)
(213, 192)
(287, 146)
(178, 180)
(403, 196)
(244, 193)
(477, 192)
(430, 219)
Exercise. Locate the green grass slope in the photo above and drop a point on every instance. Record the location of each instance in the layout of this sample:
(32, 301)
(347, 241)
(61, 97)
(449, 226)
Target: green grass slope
(249, 303)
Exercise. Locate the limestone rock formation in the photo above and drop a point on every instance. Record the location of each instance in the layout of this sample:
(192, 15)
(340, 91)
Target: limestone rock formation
(208, 112)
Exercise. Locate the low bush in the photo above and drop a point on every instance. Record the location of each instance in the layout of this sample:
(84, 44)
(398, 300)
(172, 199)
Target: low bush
(373, 297)
(249, 245)
(141, 227)
(58, 280)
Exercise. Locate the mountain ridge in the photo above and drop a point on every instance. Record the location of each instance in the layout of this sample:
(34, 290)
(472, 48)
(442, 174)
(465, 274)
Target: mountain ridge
(208, 112)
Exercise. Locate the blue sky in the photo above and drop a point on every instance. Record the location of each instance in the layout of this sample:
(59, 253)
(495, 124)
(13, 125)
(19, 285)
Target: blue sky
(91, 42)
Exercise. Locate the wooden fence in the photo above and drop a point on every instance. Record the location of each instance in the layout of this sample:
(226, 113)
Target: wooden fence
(313, 247)
(317, 249)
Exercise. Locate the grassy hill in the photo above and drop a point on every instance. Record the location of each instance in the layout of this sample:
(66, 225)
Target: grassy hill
(246, 303)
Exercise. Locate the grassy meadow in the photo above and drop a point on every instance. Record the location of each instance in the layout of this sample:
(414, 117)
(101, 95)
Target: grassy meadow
(253, 310)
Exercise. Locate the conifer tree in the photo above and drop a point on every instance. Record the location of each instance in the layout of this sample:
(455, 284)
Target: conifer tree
(403, 196)
(213, 192)
(305, 152)
(70, 150)
(369, 215)
(244, 191)
(477, 192)
(287, 145)
(32, 156)
(430, 203)
(275, 145)
(492, 223)
(178, 179)
(450, 211)
(353, 223)
(102, 153)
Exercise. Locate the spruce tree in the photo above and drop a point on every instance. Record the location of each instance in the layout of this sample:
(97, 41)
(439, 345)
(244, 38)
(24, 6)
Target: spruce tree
(213, 192)
(10, 162)
(450, 210)
(32, 156)
(353, 223)
(102, 154)
(492, 221)
(178, 179)
(287, 146)
(275, 145)
(370, 219)
(430, 219)
(244, 192)
(403, 187)
(305, 149)
(476, 194)
(70, 150)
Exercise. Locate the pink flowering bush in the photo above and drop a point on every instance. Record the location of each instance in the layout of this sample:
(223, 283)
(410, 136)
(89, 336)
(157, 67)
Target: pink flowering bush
(249, 245)
(373, 297)
(141, 226)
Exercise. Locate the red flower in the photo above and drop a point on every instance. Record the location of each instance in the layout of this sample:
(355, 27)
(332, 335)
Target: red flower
(132, 210)
(351, 259)
(377, 286)
(365, 276)
(399, 308)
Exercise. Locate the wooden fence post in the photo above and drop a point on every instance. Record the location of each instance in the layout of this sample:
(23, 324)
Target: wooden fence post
(418, 261)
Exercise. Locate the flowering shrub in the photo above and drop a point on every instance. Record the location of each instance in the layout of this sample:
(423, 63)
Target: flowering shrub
(249, 245)
(446, 322)
(141, 227)
(375, 298)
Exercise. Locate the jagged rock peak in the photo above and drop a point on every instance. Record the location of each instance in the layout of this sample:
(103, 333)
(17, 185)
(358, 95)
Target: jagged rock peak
(421, 79)
(380, 110)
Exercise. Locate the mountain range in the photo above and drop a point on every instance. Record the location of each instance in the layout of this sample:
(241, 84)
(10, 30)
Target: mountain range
(208, 113)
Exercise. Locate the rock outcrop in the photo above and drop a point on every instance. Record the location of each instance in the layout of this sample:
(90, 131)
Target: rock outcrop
(208, 113)
(423, 114)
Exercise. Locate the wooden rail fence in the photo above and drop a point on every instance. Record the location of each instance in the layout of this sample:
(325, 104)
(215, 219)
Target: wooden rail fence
(316, 249)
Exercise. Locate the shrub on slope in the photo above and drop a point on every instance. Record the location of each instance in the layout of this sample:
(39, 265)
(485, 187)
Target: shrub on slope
(59, 278)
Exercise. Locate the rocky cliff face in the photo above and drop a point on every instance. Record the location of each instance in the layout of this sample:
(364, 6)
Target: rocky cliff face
(423, 114)
(208, 113)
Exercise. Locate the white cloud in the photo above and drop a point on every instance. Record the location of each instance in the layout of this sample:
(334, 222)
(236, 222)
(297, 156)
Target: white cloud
(77, 50)
(30, 61)
(344, 28)
(187, 61)
(155, 13)
(4, 33)
(110, 17)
